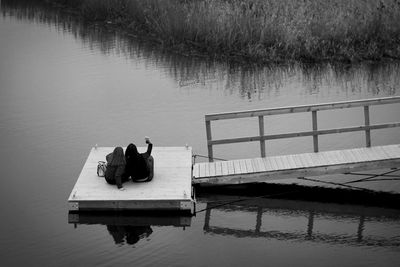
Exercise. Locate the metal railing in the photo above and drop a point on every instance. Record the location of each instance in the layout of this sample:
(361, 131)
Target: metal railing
(260, 113)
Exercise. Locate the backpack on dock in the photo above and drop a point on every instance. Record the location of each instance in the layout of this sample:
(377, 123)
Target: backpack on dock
(101, 168)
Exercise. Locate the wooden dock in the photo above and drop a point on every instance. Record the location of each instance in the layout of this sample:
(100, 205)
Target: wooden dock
(298, 165)
(170, 189)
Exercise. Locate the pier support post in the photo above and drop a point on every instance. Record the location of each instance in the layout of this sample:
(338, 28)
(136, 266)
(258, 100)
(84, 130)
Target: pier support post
(262, 141)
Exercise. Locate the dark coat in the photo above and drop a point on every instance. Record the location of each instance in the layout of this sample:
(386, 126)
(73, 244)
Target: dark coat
(136, 163)
(114, 173)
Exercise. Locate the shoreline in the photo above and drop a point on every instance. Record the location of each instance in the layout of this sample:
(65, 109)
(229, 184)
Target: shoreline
(119, 16)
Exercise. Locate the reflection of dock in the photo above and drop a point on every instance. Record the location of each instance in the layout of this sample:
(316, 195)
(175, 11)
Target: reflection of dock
(298, 165)
(128, 227)
(170, 189)
(128, 219)
(359, 216)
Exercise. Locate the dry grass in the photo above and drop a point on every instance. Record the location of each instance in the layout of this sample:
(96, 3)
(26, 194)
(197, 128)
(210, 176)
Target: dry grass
(261, 30)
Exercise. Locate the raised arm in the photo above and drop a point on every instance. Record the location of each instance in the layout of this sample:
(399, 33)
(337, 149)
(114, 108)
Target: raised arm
(149, 148)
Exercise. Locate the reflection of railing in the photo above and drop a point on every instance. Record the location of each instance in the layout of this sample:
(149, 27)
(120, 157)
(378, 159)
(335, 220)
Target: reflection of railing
(367, 127)
(309, 235)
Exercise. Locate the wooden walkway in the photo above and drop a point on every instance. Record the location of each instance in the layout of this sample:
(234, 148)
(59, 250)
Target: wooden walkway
(298, 165)
(170, 189)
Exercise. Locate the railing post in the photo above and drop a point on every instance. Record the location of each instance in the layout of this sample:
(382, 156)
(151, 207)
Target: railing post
(367, 131)
(315, 128)
(262, 141)
(209, 138)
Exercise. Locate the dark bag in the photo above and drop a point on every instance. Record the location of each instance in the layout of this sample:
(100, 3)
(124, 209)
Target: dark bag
(101, 168)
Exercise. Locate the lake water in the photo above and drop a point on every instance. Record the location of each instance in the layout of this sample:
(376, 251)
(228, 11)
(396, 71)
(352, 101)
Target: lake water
(66, 86)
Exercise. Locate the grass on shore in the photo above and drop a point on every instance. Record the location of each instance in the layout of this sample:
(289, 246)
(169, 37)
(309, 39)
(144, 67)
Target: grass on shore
(260, 30)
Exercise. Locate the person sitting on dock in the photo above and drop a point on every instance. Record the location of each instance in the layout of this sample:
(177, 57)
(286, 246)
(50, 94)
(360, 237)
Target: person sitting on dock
(139, 166)
(116, 167)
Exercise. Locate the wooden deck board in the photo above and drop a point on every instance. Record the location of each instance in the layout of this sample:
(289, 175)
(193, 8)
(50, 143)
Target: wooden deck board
(243, 167)
(236, 165)
(224, 166)
(170, 186)
(270, 163)
(391, 150)
(212, 169)
(298, 161)
(327, 162)
(262, 165)
(249, 165)
(231, 168)
(196, 170)
(218, 168)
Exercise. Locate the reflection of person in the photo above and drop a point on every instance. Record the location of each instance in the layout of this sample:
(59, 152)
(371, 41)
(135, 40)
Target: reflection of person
(129, 234)
(116, 168)
(139, 166)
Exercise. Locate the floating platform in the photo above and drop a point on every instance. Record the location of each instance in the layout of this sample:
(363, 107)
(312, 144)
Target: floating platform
(170, 189)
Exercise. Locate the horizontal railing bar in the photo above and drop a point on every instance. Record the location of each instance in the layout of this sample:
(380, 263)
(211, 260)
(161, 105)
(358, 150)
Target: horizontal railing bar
(301, 134)
(303, 108)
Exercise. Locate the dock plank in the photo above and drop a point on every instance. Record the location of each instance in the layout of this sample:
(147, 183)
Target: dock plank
(379, 152)
(207, 169)
(298, 161)
(243, 167)
(392, 151)
(279, 163)
(270, 164)
(196, 170)
(292, 162)
(361, 156)
(308, 160)
(316, 159)
(231, 168)
(261, 163)
(236, 164)
(347, 156)
(212, 169)
(249, 165)
(218, 168)
(224, 165)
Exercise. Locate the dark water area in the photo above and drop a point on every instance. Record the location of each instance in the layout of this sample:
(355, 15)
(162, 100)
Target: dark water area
(66, 86)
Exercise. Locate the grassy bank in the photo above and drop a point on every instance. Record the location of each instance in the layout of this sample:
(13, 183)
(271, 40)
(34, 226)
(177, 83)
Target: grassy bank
(259, 30)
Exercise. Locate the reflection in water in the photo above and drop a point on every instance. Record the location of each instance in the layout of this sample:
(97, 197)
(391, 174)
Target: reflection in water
(249, 81)
(129, 228)
(128, 234)
(309, 221)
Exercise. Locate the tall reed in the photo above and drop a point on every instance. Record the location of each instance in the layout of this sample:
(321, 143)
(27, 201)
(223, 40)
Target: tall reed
(261, 30)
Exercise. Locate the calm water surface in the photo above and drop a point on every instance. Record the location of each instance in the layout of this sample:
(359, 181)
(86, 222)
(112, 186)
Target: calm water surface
(66, 86)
